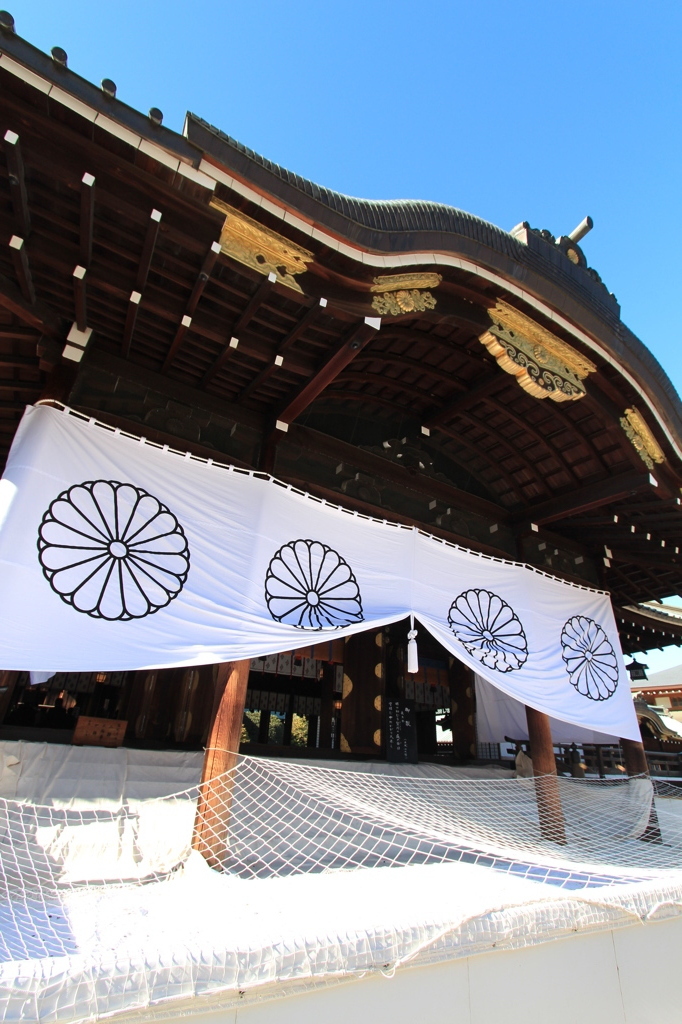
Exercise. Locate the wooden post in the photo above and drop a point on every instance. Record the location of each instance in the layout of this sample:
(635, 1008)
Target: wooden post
(8, 682)
(550, 811)
(215, 794)
(462, 710)
(363, 695)
(637, 765)
(634, 757)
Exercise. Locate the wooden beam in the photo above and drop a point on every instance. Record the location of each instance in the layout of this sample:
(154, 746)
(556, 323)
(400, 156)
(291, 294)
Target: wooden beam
(374, 465)
(344, 354)
(8, 359)
(131, 320)
(161, 437)
(203, 276)
(647, 560)
(222, 749)
(185, 324)
(87, 218)
(177, 390)
(197, 291)
(17, 183)
(292, 337)
(79, 297)
(147, 250)
(550, 813)
(379, 512)
(582, 499)
(468, 398)
(19, 386)
(37, 315)
(256, 301)
(22, 268)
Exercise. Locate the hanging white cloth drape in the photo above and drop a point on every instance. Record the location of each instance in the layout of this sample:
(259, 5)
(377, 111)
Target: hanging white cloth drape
(116, 554)
(499, 715)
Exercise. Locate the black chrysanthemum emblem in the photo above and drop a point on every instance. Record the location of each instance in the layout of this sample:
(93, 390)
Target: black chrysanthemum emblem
(311, 586)
(113, 551)
(590, 659)
(489, 630)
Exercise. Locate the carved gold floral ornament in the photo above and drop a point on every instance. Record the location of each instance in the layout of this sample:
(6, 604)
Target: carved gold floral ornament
(259, 247)
(403, 293)
(643, 441)
(543, 365)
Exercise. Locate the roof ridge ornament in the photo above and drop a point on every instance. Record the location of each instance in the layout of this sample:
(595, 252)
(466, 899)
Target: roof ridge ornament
(544, 365)
(261, 248)
(641, 437)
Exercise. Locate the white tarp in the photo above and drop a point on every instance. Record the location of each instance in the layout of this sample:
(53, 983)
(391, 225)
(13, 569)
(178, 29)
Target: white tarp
(116, 554)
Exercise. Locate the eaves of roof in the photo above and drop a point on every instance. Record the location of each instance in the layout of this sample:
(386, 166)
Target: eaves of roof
(390, 227)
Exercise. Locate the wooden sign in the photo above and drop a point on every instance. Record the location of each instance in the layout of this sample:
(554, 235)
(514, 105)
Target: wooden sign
(98, 732)
(401, 732)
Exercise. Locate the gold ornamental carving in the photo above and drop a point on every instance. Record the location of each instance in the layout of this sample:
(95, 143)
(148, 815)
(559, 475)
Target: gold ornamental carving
(405, 282)
(643, 441)
(404, 293)
(260, 248)
(543, 365)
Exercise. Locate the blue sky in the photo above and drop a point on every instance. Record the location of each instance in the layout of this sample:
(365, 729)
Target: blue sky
(513, 111)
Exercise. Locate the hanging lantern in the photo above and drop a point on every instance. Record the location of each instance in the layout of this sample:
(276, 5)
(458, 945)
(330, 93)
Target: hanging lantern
(637, 671)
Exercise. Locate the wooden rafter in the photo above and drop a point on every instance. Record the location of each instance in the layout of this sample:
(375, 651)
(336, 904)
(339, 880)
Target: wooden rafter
(79, 296)
(292, 337)
(202, 279)
(498, 440)
(473, 394)
(17, 183)
(22, 268)
(255, 302)
(148, 247)
(87, 222)
(131, 321)
(197, 291)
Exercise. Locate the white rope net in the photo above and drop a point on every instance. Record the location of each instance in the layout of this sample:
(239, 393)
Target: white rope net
(318, 873)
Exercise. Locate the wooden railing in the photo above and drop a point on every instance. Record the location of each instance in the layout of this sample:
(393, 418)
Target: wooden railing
(601, 759)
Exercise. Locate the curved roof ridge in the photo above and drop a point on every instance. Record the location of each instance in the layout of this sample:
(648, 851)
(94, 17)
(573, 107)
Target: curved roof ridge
(413, 214)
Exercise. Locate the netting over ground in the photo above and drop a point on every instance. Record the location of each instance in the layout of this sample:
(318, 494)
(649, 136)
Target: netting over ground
(323, 873)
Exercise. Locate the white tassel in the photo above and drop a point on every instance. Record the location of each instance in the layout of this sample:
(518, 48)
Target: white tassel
(412, 653)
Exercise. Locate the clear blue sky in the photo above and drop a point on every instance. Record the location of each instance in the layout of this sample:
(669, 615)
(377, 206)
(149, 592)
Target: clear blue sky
(511, 110)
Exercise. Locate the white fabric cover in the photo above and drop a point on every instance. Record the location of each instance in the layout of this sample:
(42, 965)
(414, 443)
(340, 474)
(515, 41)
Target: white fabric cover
(499, 715)
(547, 643)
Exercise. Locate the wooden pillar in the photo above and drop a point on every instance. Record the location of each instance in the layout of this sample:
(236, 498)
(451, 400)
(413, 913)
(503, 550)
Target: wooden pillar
(462, 711)
(550, 812)
(363, 695)
(264, 727)
(215, 794)
(8, 682)
(60, 381)
(634, 756)
(637, 765)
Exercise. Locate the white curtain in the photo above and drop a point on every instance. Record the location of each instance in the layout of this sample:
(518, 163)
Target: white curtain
(116, 554)
(499, 715)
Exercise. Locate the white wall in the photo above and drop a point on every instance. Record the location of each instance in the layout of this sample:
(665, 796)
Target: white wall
(626, 976)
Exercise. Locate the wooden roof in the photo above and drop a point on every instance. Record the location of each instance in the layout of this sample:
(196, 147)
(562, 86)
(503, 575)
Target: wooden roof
(114, 235)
